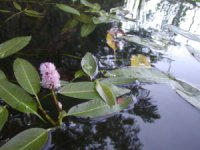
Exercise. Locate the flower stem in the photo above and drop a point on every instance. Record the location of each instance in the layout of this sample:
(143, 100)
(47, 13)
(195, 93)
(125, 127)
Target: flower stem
(55, 100)
(44, 112)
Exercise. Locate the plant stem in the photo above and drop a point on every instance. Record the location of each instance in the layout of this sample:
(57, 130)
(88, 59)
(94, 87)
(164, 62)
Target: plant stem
(55, 100)
(44, 112)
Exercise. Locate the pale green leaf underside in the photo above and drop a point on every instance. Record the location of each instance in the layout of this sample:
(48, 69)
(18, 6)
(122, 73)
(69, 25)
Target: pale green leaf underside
(3, 116)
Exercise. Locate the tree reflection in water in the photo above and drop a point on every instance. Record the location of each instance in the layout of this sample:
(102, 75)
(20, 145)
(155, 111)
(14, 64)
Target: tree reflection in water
(119, 131)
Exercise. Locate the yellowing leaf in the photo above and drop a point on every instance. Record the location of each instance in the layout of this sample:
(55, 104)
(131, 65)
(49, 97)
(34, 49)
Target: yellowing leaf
(110, 41)
(140, 60)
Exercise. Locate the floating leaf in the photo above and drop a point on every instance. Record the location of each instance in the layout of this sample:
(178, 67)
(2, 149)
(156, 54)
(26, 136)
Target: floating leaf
(3, 116)
(87, 29)
(143, 41)
(96, 108)
(140, 60)
(106, 93)
(17, 98)
(32, 13)
(187, 91)
(17, 6)
(194, 52)
(89, 65)
(14, 45)
(142, 74)
(2, 75)
(110, 41)
(183, 32)
(117, 91)
(67, 9)
(118, 80)
(27, 76)
(30, 139)
(82, 90)
(94, 6)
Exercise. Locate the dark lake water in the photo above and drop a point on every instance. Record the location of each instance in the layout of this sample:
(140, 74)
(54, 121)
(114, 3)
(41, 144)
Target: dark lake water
(158, 119)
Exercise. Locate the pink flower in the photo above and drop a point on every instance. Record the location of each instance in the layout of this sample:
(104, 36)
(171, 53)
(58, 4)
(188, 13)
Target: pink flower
(50, 76)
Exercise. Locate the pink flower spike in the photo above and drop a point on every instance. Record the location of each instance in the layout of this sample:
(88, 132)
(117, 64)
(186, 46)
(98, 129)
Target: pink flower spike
(50, 76)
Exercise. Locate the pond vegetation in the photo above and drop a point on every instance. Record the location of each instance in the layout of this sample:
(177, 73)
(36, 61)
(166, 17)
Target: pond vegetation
(80, 75)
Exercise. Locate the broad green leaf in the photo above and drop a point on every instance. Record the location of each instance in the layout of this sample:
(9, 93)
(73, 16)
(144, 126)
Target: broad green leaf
(17, 98)
(32, 13)
(117, 91)
(183, 32)
(14, 45)
(3, 116)
(4, 11)
(70, 24)
(30, 139)
(82, 90)
(89, 65)
(67, 9)
(94, 6)
(194, 52)
(143, 74)
(96, 108)
(84, 18)
(86, 29)
(187, 91)
(106, 93)
(27, 76)
(143, 41)
(2, 75)
(118, 80)
(17, 6)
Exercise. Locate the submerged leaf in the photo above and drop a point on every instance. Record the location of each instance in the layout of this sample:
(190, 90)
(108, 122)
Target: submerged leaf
(106, 93)
(32, 13)
(94, 6)
(67, 9)
(27, 76)
(89, 65)
(14, 45)
(87, 29)
(140, 60)
(30, 139)
(3, 116)
(17, 6)
(4, 11)
(142, 74)
(82, 90)
(187, 91)
(194, 52)
(17, 98)
(96, 108)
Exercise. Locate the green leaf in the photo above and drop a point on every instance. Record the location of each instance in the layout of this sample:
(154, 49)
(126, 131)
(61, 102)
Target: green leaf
(30, 139)
(87, 29)
(101, 19)
(106, 93)
(17, 6)
(118, 80)
(117, 91)
(82, 90)
(188, 92)
(14, 45)
(183, 32)
(32, 13)
(84, 18)
(3, 116)
(94, 6)
(67, 9)
(4, 11)
(70, 24)
(96, 108)
(2, 75)
(17, 98)
(143, 74)
(27, 76)
(89, 65)
(79, 74)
